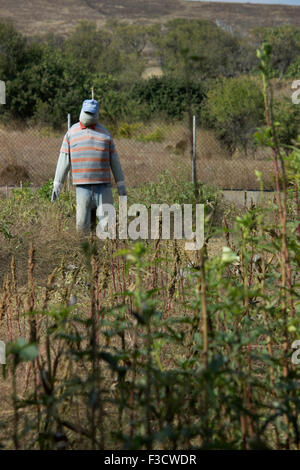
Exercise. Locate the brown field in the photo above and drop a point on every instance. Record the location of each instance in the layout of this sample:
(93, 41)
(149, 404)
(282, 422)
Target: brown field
(42, 16)
(32, 155)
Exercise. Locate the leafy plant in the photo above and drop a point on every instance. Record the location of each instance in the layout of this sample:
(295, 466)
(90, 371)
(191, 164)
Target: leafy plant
(46, 190)
(156, 136)
(234, 109)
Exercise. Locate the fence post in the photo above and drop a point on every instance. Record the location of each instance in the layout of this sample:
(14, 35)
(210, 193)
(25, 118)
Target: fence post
(69, 173)
(194, 169)
(2, 92)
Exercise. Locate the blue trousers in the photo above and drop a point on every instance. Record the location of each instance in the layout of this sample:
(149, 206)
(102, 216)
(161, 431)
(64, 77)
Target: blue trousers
(91, 197)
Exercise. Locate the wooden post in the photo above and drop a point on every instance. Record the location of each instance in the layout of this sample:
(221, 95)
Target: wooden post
(93, 94)
(194, 151)
(194, 169)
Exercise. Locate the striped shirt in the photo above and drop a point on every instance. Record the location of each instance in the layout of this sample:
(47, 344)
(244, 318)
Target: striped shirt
(92, 154)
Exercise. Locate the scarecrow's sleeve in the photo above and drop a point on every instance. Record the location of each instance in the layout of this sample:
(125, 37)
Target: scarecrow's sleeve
(63, 165)
(116, 169)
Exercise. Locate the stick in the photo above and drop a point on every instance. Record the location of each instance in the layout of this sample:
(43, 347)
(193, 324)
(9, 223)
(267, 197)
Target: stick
(194, 155)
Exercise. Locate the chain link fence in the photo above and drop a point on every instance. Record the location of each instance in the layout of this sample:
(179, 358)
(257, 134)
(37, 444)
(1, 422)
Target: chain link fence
(30, 155)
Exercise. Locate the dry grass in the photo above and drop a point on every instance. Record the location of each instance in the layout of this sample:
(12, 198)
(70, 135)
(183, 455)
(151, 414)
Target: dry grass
(142, 162)
(14, 326)
(57, 245)
(42, 16)
(30, 149)
(54, 237)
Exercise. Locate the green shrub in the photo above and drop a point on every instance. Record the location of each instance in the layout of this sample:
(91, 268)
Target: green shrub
(128, 131)
(48, 77)
(170, 189)
(166, 96)
(287, 115)
(285, 42)
(233, 109)
(46, 190)
(294, 70)
(220, 52)
(156, 136)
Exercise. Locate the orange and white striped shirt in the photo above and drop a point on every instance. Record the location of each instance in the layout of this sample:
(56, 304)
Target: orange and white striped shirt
(92, 155)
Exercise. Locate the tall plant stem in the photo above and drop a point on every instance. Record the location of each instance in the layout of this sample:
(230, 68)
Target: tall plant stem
(282, 208)
(204, 307)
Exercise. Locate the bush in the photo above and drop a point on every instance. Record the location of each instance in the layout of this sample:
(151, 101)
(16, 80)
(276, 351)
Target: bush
(221, 52)
(285, 42)
(173, 190)
(12, 51)
(294, 70)
(156, 136)
(46, 190)
(288, 115)
(128, 131)
(233, 109)
(167, 95)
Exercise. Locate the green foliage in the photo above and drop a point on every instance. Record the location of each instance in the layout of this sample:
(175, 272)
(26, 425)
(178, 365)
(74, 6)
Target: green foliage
(29, 206)
(156, 136)
(4, 229)
(219, 52)
(233, 109)
(48, 77)
(34, 89)
(129, 41)
(128, 131)
(87, 45)
(12, 51)
(287, 115)
(167, 95)
(285, 42)
(173, 190)
(45, 191)
(130, 38)
(22, 351)
(293, 70)
(117, 106)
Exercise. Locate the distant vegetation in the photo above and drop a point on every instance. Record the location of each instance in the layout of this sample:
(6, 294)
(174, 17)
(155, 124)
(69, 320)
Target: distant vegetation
(49, 76)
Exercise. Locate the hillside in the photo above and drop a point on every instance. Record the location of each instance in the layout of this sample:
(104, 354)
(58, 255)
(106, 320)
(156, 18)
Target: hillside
(41, 16)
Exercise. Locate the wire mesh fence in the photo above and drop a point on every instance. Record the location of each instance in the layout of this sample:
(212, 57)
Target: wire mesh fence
(30, 155)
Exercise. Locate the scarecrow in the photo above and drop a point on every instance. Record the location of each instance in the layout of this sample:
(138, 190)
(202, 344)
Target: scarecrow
(89, 151)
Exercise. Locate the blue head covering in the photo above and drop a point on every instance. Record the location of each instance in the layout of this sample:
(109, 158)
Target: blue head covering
(90, 106)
